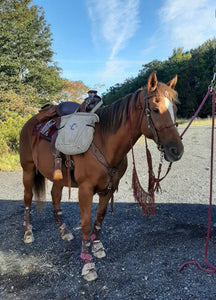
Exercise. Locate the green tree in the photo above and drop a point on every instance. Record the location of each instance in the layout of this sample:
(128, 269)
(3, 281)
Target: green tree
(194, 69)
(28, 75)
(25, 50)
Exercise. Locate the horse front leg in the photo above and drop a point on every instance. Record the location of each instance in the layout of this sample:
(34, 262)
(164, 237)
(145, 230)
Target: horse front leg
(85, 203)
(97, 246)
(56, 193)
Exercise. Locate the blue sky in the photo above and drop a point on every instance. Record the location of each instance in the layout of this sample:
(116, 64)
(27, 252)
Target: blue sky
(104, 42)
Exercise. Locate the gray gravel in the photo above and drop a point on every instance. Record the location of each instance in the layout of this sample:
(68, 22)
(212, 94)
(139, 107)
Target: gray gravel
(143, 253)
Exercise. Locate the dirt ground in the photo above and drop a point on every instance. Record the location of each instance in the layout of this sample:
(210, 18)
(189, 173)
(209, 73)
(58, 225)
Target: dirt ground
(143, 253)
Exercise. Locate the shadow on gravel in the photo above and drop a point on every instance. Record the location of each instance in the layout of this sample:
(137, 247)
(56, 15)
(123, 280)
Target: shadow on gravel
(143, 254)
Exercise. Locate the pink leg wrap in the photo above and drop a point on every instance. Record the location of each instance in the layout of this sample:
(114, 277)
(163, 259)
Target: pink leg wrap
(96, 232)
(85, 252)
(27, 219)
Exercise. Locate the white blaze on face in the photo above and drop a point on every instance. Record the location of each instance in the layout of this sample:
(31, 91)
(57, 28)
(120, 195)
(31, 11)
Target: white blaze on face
(170, 108)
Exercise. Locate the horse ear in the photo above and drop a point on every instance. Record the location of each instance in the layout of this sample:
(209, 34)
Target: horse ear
(172, 83)
(152, 82)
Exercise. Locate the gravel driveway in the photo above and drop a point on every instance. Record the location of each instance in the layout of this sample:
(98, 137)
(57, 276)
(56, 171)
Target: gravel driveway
(143, 253)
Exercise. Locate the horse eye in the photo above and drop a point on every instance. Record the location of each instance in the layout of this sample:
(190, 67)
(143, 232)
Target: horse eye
(155, 109)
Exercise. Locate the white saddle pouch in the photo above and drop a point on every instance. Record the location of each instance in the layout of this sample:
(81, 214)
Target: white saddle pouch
(76, 132)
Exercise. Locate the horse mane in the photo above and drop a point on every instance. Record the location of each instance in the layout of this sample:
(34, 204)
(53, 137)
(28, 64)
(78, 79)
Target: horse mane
(114, 115)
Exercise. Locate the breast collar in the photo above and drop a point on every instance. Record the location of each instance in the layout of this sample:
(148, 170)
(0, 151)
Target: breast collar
(111, 170)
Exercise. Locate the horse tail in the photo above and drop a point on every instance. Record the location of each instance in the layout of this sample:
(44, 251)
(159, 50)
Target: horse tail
(39, 189)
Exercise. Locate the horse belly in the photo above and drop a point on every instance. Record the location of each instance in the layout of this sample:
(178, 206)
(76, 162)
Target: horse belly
(44, 161)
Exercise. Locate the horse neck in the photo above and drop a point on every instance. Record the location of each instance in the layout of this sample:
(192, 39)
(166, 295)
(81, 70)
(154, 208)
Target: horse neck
(116, 146)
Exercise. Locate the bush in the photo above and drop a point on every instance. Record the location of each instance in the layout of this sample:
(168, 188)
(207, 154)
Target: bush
(10, 162)
(10, 131)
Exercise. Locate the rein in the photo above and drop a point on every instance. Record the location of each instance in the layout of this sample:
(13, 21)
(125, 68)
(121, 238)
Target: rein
(158, 179)
(211, 269)
(211, 90)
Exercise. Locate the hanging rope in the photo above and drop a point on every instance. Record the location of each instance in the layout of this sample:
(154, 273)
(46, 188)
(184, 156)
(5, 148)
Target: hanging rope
(211, 90)
(146, 200)
(211, 269)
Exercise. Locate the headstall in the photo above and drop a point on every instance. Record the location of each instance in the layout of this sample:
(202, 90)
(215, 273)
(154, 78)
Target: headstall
(150, 122)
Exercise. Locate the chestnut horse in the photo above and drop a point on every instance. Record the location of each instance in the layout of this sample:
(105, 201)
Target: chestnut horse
(149, 111)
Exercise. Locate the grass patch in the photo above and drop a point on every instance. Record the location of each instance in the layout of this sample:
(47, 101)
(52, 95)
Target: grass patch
(196, 121)
(10, 162)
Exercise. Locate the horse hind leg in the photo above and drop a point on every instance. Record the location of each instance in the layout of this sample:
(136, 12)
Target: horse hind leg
(28, 182)
(28, 235)
(66, 235)
(34, 183)
(56, 193)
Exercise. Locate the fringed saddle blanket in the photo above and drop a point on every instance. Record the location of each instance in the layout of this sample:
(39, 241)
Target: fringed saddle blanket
(46, 129)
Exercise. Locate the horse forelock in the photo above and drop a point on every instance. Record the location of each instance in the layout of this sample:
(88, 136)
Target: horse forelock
(114, 115)
(164, 90)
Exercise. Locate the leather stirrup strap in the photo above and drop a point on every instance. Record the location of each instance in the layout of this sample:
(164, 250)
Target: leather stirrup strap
(68, 158)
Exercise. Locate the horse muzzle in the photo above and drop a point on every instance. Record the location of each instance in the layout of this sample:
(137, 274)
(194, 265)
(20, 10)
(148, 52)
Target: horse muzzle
(173, 152)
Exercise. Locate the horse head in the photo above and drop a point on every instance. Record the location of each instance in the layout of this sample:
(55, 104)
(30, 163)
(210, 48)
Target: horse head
(160, 111)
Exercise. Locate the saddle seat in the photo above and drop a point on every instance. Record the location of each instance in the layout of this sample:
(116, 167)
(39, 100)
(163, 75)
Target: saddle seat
(52, 111)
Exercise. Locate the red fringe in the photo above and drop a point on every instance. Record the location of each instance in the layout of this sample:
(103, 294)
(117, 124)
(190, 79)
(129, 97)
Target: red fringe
(144, 199)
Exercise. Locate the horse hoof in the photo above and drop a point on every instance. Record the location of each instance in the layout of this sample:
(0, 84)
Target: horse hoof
(92, 275)
(98, 249)
(89, 272)
(66, 235)
(28, 237)
(100, 254)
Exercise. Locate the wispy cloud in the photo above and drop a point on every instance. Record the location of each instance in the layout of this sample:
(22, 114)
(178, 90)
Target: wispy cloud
(117, 21)
(119, 69)
(188, 22)
(114, 22)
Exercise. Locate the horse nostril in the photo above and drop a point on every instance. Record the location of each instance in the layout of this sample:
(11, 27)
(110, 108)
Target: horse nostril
(174, 150)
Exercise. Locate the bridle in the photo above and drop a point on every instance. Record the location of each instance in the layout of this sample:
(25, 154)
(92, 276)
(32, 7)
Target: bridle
(146, 199)
(145, 110)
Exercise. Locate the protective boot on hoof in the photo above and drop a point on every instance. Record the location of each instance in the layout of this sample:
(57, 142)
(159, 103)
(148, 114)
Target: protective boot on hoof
(66, 235)
(28, 237)
(98, 249)
(89, 272)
